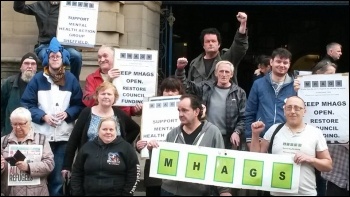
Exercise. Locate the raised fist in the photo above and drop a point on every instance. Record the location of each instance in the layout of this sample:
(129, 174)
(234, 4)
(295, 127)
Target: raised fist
(242, 17)
(181, 63)
(257, 127)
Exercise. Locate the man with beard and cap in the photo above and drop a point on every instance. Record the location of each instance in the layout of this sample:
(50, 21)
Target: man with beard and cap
(54, 98)
(46, 14)
(13, 88)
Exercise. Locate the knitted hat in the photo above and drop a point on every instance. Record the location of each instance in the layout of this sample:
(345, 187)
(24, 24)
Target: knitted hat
(30, 56)
(55, 47)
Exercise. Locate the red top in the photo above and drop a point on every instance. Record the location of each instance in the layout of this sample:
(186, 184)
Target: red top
(93, 80)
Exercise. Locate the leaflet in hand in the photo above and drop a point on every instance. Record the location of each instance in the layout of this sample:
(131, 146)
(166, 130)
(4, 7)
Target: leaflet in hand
(18, 156)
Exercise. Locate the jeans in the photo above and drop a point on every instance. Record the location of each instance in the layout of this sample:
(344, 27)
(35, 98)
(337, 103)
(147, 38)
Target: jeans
(334, 190)
(75, 58)
(321, 184)
(55, 178)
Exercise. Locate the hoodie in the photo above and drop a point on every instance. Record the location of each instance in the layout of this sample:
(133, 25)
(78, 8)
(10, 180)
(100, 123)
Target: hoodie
(55, 47)
(211, 138)
(105, 169)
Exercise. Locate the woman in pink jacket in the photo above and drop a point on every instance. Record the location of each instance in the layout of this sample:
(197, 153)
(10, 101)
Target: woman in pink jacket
(29, 168)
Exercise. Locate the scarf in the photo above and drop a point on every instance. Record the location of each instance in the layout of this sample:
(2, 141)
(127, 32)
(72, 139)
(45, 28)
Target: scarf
(58, 78)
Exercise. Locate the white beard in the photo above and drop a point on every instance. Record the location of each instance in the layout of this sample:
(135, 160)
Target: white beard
(27, 75)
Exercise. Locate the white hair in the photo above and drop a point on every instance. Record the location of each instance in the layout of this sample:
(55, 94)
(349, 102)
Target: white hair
(21, 113)
(224, 62)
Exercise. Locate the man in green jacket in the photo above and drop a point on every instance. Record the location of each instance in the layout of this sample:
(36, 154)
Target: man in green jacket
(13, 88)
(202, 67)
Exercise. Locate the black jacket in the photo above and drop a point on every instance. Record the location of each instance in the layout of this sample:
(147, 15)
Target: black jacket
(128, 127)
(105, 169)
(46, 16)
(328, 58)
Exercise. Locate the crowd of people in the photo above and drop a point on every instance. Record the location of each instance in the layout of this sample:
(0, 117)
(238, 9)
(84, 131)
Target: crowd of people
(89, 140)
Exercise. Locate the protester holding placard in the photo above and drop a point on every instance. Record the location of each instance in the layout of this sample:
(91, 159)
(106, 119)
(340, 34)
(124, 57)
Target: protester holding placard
(194, 132)
(305, 142)
(46, 15)
(225, 103)
(106, 72)
(86, 126)
(338, 177)
(169, 87)
(30, 174)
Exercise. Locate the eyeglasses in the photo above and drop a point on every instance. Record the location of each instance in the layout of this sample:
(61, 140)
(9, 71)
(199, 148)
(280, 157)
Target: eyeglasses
(55, 57)
(296, 108)
(29, 63)
(18, 124)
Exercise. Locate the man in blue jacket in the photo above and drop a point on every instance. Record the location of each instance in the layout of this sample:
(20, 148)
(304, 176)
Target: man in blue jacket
(51, 90)
(267, 95)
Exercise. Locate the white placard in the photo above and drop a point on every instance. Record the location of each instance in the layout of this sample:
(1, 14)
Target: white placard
(225, 168)
(159, 117)
(139, 75)
(77, 23)
(301, 72)
(32, 153)
(327, 104)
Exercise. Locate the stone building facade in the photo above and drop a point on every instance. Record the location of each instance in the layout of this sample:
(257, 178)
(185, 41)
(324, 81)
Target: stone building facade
(122, 24)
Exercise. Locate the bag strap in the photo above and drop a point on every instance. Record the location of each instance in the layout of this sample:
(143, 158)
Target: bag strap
(5, 141)
(42, 138)
(269, 149)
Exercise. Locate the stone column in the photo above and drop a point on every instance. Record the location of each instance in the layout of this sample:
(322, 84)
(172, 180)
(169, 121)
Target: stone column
(142, 22)
(124, 24)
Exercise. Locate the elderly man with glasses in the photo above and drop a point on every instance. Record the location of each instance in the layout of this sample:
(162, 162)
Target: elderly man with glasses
(13, 88)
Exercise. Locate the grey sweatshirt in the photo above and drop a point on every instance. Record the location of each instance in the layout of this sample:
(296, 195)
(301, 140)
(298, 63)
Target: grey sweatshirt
(211, 138)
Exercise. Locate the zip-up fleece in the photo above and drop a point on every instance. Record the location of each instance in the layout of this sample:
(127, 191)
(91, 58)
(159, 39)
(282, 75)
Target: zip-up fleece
(211, 138)
(105, 169)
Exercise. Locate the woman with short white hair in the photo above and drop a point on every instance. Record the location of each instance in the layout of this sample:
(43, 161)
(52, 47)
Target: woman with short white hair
(24, 134)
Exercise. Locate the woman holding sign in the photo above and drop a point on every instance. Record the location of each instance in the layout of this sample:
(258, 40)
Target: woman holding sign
(28, 166)
(169, 87)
